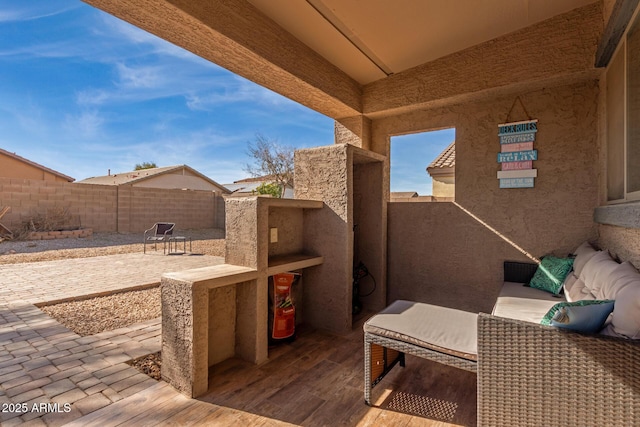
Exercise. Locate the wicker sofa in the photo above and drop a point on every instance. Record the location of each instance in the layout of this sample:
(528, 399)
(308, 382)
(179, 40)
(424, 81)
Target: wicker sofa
(529, 374)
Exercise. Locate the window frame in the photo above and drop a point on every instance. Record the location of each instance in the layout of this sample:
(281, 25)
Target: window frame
(623, 49)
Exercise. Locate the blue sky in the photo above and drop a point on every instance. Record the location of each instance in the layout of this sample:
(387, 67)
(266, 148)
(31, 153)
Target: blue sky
(82, 92)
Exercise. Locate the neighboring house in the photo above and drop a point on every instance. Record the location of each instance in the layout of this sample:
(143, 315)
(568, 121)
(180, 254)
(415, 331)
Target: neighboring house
(443, 174)
(409, 196)
(170, 177)
(248, 186)
(402, 195)
(14, 166)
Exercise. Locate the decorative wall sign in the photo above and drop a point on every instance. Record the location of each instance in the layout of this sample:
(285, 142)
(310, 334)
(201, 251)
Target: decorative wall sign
(517, 154)
(511, 166)
(518, 146)
(516, 183)
(527, 173)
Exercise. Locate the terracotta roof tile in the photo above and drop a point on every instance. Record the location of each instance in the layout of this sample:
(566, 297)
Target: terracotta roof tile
(446, 159)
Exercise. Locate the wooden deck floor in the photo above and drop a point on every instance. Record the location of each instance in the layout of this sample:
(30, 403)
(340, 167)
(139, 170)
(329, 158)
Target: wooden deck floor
(314, 381)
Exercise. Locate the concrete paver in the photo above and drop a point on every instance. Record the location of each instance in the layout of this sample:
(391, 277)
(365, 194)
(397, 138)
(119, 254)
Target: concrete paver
(42, 362)
(48, 281)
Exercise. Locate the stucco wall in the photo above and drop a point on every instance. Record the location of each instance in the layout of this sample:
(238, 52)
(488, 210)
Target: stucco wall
(368, 232)
(13, 168)
(443, 186)
(289, 223)
(107, 208)
(324, 174)
(553, 217)
(440, 255)
(623, 243)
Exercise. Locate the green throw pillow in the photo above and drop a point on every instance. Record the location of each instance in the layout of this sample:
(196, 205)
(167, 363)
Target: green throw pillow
(586, 316)
(551, 274)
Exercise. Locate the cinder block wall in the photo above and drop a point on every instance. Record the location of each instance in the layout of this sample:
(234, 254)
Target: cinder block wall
(187, 208)
(106, 208)
(93, 206)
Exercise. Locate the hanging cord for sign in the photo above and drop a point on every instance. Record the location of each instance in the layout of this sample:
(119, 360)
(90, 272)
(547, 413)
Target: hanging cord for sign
(514, 105)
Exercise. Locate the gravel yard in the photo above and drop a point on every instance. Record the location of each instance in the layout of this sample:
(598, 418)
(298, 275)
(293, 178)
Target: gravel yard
(207, 242)
(94, 315)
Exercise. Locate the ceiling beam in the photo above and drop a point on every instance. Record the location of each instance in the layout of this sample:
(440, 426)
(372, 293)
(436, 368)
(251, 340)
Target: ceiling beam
(616, 26)
(550, 51)
(238, 37)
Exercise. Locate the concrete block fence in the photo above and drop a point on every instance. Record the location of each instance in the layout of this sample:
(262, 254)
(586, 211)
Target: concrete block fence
(105, 208)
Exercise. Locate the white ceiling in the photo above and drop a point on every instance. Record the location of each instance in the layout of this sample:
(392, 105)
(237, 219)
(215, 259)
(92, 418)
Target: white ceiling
(369, 39)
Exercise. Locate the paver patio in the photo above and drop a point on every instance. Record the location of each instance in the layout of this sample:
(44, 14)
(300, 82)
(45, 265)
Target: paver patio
(42, 362)
(48, 281)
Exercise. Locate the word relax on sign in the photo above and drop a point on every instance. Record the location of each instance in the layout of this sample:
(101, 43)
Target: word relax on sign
(518, 156)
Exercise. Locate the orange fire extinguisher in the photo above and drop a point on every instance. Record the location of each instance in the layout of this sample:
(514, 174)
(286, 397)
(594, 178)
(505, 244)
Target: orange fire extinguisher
(284, 312)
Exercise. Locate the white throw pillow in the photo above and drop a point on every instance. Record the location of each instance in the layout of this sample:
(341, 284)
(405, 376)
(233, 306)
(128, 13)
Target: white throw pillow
(593, 268)
(625, 319)
(623, 275)
(605, 269)
(575, 290)
(583, 253)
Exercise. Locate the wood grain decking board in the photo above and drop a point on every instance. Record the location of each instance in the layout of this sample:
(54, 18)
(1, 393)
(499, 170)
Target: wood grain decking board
(313, 381)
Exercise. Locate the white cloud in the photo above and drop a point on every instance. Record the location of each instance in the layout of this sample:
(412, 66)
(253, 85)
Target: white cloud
(139, 77)
(236, 89)
(11, 15)
(87, 124)
(34, 10)
(92, 97)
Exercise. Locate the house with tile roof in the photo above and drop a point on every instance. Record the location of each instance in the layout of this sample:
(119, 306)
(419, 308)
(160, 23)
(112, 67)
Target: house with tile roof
(14, 166)
(169, 177)
(443, 173)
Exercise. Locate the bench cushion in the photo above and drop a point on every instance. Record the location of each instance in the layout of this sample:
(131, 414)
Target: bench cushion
(520, 302)
(442, 329)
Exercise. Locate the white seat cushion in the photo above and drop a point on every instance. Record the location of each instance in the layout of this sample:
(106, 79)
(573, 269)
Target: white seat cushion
(520, 302)
(443, 329)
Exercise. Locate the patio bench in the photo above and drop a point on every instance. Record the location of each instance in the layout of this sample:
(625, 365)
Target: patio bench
(441, 334)
(529, 374)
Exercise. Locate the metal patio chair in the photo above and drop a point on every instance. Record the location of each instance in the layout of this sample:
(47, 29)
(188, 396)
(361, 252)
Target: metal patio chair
(160, 232)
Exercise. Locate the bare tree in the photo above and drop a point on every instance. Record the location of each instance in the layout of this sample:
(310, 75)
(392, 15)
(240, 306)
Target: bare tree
(272, 161)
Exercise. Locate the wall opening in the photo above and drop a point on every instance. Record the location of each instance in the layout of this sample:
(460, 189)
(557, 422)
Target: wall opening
(423, 166)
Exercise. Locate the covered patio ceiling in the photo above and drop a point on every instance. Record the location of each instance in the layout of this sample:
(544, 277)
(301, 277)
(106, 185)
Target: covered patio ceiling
(347, 58)
(370, 40)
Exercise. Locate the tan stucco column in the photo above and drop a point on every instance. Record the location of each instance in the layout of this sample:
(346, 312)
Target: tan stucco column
(353, 130)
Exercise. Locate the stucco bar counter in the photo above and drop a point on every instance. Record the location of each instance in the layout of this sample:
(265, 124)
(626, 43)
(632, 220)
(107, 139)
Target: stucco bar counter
(213, 313)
